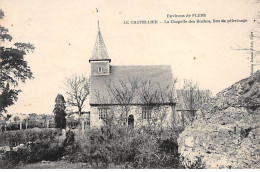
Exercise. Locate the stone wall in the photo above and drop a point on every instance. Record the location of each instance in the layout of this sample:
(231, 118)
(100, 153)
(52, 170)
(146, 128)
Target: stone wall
(136, 111)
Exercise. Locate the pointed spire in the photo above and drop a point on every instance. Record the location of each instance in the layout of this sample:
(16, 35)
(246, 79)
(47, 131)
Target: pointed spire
(99, 51)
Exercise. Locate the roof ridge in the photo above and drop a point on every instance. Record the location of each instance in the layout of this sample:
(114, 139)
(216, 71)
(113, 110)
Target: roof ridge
(137, 65)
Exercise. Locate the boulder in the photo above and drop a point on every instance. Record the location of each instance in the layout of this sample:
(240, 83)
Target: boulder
(226, 133)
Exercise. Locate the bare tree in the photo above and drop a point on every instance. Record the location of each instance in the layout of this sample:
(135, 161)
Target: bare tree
(77, 91)
(168, 94)
(157, 99)
(152, 95)
(194, 98)
(123, 94)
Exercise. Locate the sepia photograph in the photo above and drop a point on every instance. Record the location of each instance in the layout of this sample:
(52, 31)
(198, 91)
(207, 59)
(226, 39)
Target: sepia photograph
(108, 84)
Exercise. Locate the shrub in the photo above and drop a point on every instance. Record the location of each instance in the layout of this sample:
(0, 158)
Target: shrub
(34, 153)
(14, 138)
(40, 145)
(110, 146)
(129, 148)
(198, 164)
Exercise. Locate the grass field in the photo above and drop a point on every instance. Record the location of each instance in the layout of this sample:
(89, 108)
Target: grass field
(55, 165)
(66, 165)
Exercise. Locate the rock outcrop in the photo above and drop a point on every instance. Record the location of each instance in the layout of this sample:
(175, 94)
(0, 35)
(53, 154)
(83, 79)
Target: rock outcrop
(226, 133)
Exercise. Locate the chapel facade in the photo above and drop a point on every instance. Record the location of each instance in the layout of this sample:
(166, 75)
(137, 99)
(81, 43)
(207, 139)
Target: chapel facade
(129, 95)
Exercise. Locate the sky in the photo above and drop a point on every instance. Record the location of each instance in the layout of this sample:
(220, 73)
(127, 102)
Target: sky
(64, 33)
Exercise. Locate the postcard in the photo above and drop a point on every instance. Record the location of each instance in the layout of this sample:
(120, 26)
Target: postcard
(129, 84)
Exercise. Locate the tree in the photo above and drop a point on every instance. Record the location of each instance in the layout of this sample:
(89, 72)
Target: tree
(123, 94)
(194, 98)
(13, 68)
(59, 112)
(157, 98)
(77, 91)
(154, 96)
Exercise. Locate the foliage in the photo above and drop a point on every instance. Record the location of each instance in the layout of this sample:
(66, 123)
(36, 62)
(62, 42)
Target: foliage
(108, 147)
(14, 138)
(77, 91)
(59, 112)
(13, 68)
(127, 148)
(39, 145)
(198, 164)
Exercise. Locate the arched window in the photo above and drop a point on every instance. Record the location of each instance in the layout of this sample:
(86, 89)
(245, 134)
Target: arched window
(131, 120)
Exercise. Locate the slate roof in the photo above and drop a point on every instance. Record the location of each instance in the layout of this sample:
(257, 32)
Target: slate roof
(99, 51)
(157, 74)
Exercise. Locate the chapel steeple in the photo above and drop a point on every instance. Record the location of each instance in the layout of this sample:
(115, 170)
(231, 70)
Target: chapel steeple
(99, 60)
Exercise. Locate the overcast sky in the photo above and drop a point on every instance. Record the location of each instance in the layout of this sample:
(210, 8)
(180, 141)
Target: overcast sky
(64, 33)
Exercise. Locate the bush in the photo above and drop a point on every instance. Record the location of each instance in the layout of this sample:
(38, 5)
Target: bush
(14, 138)
(128, 148)
(40, 145)
(35, 153)
(198, 164)
(108, 147)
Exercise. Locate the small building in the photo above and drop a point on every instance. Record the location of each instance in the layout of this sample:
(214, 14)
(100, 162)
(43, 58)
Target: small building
(129, 95)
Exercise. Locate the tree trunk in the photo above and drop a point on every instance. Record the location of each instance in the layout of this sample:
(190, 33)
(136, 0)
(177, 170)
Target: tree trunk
(83, 127)
(173, 116)
(79, 108)
(182, 119)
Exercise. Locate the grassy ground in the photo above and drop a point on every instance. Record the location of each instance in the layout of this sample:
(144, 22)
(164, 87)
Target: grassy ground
(67, 165)
(55, 165)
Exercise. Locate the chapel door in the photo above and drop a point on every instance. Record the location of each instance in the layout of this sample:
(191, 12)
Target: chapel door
(131, 120)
